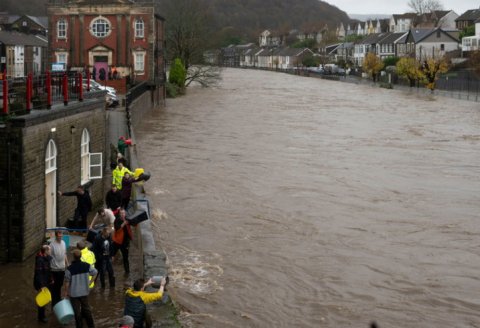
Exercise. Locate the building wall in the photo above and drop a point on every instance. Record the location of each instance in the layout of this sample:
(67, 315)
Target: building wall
(29, 136)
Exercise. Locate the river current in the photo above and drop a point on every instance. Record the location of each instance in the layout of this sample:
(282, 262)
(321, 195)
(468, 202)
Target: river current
(286, 201)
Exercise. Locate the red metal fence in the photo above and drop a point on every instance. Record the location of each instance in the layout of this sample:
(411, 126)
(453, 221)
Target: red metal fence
(42, 91)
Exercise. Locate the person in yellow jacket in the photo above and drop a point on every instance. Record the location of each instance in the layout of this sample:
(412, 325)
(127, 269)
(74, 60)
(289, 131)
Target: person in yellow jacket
(137, 298)
(87, 257)
(118, 173)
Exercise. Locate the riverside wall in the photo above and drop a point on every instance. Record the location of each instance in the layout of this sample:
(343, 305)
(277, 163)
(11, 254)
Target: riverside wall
(154, 259)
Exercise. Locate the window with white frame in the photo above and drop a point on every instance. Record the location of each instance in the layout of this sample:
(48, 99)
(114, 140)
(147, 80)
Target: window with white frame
(139, 61)
(62, 29)
(51, 157)
(61, 57)
(85, 157)
(100, 27)
(139, 28)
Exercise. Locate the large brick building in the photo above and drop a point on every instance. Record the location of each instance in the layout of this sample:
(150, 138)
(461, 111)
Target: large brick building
(105, 36)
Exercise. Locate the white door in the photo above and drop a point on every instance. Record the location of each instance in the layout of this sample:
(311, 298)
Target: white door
(51, 199)
(51, 185)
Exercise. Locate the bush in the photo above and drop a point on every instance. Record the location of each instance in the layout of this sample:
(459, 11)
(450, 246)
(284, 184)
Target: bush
(172, 90)
(391, 61)
(178, 74)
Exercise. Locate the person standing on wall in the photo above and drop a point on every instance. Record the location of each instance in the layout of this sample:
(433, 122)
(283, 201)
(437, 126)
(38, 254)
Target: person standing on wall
(77, 289)
(121, 238)
(103, 249)
(42, 276)
(58, 263)
(84, 205)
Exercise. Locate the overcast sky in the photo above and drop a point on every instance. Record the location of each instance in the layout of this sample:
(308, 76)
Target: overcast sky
(396, 6)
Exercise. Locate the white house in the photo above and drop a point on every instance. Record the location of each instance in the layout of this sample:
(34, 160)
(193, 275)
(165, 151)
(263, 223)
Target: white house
(426, 43)
(402, 23)
(471, 43)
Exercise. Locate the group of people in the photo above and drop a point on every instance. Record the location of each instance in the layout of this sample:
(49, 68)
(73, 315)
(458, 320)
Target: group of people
(111, 233)
(53, 271)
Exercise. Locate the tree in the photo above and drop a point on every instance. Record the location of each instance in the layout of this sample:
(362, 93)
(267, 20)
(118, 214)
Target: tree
(186, 31)
(475, 62)
(409, 68)
(177, 75)
(372, 65)
(206, 76)
(432, 67)
(424, 6)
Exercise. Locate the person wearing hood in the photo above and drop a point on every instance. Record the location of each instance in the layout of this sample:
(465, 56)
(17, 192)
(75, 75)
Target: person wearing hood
(42, 276)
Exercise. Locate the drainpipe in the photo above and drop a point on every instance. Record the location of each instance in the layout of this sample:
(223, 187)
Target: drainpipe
(9, 192)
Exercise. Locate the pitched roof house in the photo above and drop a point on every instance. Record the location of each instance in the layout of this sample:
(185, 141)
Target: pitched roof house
(471, 43)
(467, 19)
(424, 43)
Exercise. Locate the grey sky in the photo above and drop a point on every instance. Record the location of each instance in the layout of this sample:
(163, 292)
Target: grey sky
(396, 6)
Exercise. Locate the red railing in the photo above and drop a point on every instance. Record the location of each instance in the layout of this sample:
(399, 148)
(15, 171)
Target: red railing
(42, 91)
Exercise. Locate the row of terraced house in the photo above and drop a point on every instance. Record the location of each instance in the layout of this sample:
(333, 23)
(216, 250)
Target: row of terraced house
(433, 34)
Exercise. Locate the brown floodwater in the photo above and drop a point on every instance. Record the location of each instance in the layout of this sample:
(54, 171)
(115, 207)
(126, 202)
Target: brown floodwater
(285, 201)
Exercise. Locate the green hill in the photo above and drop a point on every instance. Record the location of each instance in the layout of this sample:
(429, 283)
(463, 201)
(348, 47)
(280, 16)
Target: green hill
(243, 19)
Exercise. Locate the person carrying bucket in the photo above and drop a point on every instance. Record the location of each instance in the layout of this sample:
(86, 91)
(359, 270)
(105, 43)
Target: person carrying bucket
(42, 278)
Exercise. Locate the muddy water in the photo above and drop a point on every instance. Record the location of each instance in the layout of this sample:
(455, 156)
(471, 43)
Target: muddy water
(286, 201)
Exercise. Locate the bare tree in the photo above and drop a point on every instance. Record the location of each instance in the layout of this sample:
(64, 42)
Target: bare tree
(188, 38)
(424, 6)
(186, 31)
(206, 76)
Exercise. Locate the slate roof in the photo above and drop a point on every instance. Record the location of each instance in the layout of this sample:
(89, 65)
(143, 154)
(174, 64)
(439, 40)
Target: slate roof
(15, 38)
(8, 19)
(40, 20)
(420, 34)
(469, 15)
(391, 38)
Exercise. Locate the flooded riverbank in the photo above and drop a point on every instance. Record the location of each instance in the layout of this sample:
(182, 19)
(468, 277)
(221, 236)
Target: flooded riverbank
(286, 201)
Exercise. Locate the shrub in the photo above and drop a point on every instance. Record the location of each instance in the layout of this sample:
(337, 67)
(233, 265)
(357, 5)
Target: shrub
(178, 74)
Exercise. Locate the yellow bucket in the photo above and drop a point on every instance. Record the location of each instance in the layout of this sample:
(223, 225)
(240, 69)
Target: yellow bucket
(43, 297)
(137, 172)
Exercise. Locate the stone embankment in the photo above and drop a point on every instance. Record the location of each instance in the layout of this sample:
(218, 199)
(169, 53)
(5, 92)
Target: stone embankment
(154, 261)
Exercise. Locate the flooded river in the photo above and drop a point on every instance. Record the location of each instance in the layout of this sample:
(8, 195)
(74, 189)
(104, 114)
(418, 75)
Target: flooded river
(285, 201)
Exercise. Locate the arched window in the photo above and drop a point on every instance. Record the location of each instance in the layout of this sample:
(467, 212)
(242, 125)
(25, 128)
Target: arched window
(139, 28)
(51, 157)
(62, 29)
(85, 157)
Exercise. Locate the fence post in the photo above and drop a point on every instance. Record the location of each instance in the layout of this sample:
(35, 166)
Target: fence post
(49, 89)
(29, 92)
(65, 89)
(5, 93)
(80, 86)
(88, 79)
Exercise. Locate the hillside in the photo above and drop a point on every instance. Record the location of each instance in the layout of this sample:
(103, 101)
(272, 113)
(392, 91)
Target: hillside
(245, 18)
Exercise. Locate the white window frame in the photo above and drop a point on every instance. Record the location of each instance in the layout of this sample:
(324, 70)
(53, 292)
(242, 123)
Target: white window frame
(98, 32)
(62, 55)
(96, 164)
(85, 157)
(50, 157)
(137, 66)
(62, 29)
(139, 28)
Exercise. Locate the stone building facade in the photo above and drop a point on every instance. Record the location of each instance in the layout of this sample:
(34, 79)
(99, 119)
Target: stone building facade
(44, 152)
(104, 36)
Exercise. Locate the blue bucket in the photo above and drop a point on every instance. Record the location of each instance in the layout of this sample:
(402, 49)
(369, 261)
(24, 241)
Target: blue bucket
(66, 239)
(64, 311)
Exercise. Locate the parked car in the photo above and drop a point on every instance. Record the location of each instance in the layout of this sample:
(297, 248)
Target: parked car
(97, 85)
